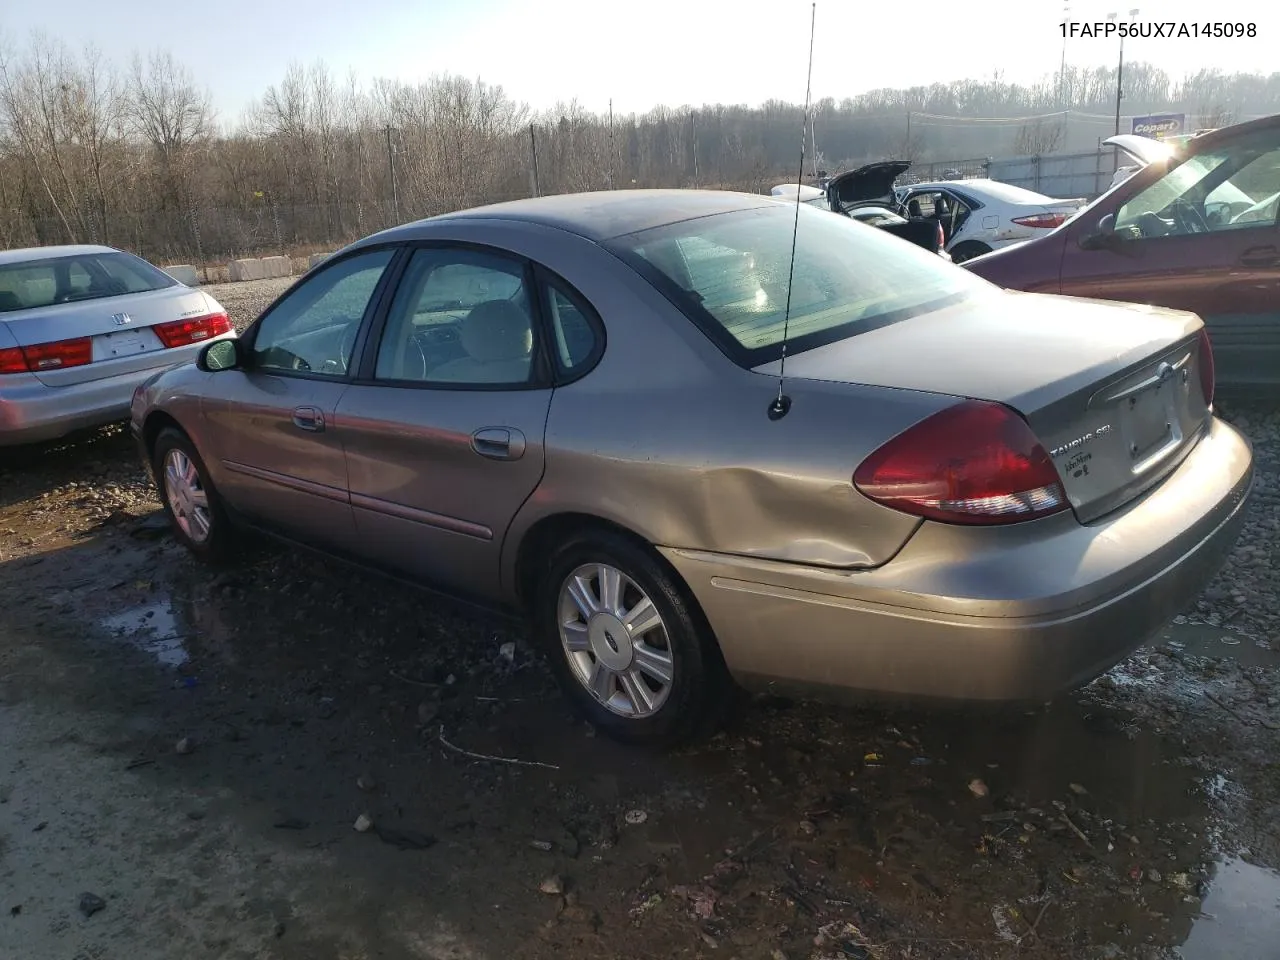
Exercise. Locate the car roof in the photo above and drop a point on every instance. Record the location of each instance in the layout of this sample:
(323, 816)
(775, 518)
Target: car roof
(27, 254)
(598, 216)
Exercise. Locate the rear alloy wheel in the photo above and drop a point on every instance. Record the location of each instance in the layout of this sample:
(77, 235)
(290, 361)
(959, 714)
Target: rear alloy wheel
(630, 650)
(189, 498)
(968, 250)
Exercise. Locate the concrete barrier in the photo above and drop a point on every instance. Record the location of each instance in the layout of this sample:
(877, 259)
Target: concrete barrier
(183, 273)
(240, 270)
(277, 267)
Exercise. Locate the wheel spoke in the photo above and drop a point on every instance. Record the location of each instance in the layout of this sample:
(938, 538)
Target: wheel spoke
(189, 472)
(637, 691)
(602, 682)
(653, 662)
(610, 589)
(200, 499)
(575, 636)
(172, 476)
(642, 618)
(582, 597)
(199, 524)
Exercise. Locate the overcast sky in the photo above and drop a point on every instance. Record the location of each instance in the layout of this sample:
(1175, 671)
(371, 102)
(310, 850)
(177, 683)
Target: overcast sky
(638, 53)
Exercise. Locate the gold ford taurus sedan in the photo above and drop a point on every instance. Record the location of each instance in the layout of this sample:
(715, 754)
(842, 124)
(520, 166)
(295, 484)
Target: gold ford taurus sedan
(579, 408)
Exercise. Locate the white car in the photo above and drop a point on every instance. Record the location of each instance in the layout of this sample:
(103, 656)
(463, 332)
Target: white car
(81, 327)
(978, 216)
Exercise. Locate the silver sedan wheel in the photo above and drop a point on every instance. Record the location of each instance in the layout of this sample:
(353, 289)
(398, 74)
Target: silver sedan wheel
(615, 641)
(186, 495)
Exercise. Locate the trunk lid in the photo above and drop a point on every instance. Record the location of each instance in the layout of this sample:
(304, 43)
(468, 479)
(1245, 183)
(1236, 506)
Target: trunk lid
(119, 345)
(1112, 390)
(872, 183)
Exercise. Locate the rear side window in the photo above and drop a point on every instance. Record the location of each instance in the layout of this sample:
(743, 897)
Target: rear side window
(44, 283)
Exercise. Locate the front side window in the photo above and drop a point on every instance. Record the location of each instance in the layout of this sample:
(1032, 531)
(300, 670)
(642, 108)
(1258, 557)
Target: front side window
(44, 283)
(460, 317)
(1233, 186)
(313, 329)
(729, 272)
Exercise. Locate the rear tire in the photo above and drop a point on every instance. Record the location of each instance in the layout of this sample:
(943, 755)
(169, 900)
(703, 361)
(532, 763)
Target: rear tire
(968, 250)
(191, 502)
(630, 648)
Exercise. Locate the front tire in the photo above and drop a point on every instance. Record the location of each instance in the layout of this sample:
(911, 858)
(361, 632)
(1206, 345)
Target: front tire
(968, 250)
(627, 644)
(190, 501)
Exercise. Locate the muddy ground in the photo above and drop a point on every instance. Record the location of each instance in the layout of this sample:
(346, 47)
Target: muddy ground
(192, 749)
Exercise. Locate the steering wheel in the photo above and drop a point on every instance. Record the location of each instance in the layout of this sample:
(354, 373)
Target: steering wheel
(1188, 218)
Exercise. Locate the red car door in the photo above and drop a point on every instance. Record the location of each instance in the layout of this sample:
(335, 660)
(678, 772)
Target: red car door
(1201, 236)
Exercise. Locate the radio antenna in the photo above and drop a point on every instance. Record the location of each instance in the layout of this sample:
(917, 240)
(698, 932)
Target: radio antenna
(782, 403)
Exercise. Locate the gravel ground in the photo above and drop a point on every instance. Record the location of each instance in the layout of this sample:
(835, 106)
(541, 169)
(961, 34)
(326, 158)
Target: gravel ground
(244, 301)
(198, 751)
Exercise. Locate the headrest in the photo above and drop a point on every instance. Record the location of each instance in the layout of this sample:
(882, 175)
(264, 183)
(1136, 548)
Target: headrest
(497, 330)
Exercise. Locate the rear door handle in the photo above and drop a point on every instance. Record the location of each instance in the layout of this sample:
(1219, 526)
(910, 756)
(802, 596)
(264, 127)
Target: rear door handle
(1266, 256)
(498, 443)
(309, 418)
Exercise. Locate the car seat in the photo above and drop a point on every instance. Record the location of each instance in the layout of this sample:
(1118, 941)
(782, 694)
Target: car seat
(498, 338)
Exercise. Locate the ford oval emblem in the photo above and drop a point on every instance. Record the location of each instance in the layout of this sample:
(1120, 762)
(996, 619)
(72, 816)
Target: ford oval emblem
(120, 319)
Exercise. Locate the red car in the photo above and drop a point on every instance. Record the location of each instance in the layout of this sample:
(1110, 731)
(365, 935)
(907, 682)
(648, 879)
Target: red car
(1197, 232)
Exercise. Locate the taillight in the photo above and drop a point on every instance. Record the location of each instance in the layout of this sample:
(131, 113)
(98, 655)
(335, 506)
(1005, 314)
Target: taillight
(12, 361)
(1204, 363)
(973, 463)
(47, 356)
(1045, 220)
(183, 333)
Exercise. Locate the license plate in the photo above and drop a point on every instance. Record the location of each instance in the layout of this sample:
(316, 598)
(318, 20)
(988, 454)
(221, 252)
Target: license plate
(1148, 417)
(126, 343)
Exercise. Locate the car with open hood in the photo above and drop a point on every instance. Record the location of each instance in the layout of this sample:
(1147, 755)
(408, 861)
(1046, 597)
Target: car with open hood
(866, 195)
(1195, 230)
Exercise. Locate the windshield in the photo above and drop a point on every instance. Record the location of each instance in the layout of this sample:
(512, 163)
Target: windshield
(89, 276)
(728, 272)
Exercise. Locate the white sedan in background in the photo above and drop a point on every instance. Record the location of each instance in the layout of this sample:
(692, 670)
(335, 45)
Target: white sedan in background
(978, 216)
(81, 327)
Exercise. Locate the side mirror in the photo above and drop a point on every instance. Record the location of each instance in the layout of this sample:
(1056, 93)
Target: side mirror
(1104, 237)
(219, 355)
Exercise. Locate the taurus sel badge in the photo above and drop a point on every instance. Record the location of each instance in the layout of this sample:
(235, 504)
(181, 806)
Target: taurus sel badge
(120, 319)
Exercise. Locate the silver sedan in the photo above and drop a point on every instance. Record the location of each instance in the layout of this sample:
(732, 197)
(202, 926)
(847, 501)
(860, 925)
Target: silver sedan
(80, 327)
(576, 408)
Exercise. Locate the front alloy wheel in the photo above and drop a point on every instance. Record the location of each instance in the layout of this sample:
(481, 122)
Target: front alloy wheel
(187, 496)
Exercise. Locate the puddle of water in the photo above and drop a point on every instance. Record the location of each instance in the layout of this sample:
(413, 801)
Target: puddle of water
(152, 628)
(1240, 919)
(1202, 640)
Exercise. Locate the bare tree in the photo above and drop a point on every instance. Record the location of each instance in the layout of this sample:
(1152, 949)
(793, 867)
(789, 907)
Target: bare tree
(1038, 138)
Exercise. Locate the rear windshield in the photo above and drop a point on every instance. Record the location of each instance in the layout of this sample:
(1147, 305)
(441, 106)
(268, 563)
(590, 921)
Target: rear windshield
(89, 276)
(728, 273)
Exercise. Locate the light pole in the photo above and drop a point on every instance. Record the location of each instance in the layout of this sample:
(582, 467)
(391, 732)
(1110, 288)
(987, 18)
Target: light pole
(1062, 72)
(1120, 69)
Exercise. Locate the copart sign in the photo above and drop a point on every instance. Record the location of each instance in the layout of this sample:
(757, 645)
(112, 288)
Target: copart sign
(1159, 126)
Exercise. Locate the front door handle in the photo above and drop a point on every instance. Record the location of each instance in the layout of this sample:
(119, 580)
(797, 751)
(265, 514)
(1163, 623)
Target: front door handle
(1265, 256)
(309, 418)
(498, 443)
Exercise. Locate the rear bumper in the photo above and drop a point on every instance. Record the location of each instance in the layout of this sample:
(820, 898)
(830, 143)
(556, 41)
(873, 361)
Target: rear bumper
(1020, 613)
(31, 412)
